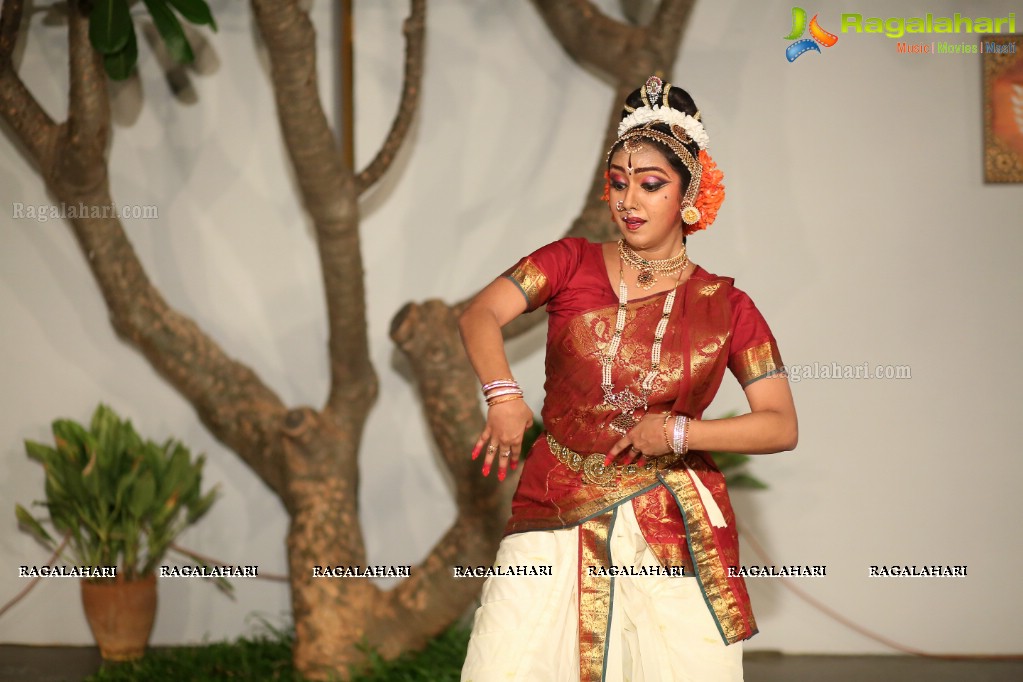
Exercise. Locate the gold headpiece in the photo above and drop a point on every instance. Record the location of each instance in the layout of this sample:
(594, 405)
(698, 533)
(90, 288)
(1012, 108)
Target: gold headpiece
(684, 129)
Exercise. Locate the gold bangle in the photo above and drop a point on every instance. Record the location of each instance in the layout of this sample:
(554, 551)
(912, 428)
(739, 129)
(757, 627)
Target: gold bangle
(503, 399)
(664, 429)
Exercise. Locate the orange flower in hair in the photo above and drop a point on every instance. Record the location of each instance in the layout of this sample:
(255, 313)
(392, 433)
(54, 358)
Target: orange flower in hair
(710, 195)
(606, 196)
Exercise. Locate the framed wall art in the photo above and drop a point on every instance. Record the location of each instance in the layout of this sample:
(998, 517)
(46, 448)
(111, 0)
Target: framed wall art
(1002, 64)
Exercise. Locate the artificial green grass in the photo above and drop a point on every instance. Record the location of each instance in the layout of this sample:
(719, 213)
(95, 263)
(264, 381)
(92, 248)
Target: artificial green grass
(440, 661)
(267, 656)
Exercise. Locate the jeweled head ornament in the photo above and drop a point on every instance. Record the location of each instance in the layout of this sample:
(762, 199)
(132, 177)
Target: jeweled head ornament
(704, 195)
(656, 109)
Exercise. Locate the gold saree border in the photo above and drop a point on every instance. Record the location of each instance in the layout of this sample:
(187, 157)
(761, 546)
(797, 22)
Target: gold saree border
(710, 569)
(595, 594)
(531, 281)
(581, 507)
(653, 505)
(758, 362)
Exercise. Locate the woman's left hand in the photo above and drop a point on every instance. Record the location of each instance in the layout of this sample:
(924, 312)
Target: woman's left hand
(646, 439)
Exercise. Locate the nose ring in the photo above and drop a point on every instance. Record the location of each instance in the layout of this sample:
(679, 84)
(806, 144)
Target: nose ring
(620, 205)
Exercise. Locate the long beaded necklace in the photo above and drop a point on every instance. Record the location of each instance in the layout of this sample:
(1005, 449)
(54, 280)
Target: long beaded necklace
(625, 400)
(646, 278)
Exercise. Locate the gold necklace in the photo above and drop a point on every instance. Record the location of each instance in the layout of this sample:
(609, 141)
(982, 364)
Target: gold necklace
(646, 278)
(625, 400)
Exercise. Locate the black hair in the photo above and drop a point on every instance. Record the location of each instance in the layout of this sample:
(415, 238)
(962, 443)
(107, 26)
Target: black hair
(678, 99)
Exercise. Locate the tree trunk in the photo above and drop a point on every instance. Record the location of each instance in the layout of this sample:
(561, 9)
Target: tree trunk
(308, 457)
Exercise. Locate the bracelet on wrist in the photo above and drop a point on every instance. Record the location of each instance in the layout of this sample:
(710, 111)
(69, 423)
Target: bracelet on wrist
(497, 393)
(685, 437)
(499, 383)
(504, 399)
(664, 430)
(678, 434)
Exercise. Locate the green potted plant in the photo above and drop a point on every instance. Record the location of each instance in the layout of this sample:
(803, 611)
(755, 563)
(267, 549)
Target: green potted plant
(118, 502)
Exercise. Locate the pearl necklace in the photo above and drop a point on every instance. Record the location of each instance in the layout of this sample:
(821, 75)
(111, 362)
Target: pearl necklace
(646, 278)
(625, 400)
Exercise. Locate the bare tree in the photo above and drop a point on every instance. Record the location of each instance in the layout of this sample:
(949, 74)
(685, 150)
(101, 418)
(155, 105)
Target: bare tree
(308, 456)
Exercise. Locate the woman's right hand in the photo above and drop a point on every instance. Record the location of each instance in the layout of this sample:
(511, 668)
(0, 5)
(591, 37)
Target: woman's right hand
(502, 436)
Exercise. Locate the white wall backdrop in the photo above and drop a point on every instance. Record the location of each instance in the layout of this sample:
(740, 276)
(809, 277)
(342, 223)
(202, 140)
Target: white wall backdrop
(856, 218)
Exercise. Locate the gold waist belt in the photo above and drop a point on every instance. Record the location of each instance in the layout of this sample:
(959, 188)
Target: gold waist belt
(593, 469)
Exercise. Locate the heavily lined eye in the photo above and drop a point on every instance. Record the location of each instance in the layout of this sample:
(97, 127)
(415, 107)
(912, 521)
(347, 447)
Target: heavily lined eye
(619, 186)
(653, 186)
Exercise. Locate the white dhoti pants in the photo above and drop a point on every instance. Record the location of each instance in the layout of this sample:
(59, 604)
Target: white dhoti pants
(527, 628)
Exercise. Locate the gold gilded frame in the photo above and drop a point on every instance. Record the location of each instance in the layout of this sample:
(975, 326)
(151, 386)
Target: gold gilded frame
(1003, 109)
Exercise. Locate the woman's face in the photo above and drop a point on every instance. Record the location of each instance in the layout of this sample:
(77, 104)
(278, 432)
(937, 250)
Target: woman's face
(651, 194)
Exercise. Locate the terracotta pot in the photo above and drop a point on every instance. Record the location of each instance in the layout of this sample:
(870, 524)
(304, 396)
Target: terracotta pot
(120, 615)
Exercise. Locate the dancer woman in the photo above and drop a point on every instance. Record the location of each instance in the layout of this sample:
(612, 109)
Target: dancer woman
(621, 495)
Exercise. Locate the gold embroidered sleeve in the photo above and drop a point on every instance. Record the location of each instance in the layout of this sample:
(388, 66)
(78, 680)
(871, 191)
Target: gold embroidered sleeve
(531, 282)
(756, 363)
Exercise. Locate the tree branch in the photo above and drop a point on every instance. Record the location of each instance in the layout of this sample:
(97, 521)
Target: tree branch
(11, 15)
(427, 334)
(414, 29)
(328, 193)
(33, 127)
(81, 165)
(232, 402)
(228, 396)
(588, 35)
(425, 604)
(664, 33)
(88, 103)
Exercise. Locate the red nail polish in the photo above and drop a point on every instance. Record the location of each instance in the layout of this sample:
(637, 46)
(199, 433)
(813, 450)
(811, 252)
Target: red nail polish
(514, 463)
(500, 474)
(486, 470)
(476, 451)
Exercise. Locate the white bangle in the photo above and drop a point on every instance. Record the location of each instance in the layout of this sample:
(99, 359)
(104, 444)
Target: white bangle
(678, 435)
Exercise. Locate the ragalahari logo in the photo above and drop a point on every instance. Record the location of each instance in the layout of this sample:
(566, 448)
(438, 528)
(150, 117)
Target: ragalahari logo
(817, 35)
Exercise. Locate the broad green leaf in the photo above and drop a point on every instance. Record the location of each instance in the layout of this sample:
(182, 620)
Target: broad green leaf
(32, 526)
(123, 486)
(170, 30)
(745, 481)
(134, 441)
(74, 486)
(102, 418)
(143, 496)
(101, 425)
(120, 64)
(177, 476)
(71, 441)
(91, 482)
(39, 452)
(199, 509)
(196, 11)
(729, 460)
(54, 488)
(109, 25)
(63, 520)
